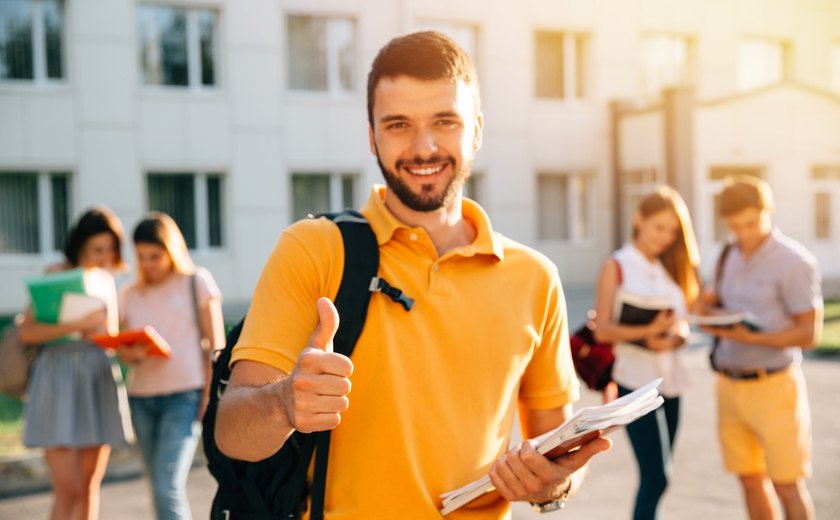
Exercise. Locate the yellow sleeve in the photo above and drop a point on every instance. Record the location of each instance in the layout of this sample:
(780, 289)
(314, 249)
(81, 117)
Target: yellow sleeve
(305, 265)
(550, 380)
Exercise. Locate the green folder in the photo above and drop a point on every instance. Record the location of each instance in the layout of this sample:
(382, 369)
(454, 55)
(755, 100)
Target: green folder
(46, 291)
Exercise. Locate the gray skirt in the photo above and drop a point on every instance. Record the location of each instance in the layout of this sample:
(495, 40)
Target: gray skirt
(73, 400)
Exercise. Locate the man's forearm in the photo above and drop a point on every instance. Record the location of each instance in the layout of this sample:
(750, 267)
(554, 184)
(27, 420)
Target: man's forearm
(251, 423)
(798, 335)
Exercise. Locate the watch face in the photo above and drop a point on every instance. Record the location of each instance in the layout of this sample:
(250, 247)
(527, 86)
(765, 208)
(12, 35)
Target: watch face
(548, 507)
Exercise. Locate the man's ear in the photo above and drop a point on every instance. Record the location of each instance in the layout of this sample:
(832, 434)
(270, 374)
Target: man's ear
(479, 132)
(371, 141)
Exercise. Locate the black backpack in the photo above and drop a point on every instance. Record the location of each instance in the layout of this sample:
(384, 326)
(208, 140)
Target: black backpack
(276, 488)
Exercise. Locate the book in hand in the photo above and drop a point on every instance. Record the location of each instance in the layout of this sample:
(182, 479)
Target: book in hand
(156, 345)
(69, 296)
(637, 310)
(585, 425)
(726, 321)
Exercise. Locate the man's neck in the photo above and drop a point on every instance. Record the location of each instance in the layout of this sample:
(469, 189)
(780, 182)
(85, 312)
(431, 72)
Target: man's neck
(748, 251)
(446, 226)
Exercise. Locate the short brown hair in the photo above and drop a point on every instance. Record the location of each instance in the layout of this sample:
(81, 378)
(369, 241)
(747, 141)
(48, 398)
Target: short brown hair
(426, 55)
(742, 192)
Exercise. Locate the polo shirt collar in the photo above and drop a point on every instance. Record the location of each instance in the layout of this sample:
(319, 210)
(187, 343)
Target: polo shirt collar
(385, 224)
(768, 245)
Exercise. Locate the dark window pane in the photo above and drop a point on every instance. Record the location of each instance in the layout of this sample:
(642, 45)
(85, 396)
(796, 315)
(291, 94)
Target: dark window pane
(54, 29)
(474, 187)
(214, 209)
(307, 53)
(348, 189)
(60, 209)
(175, 196)
(822, 215)
(549, 69)
(207, 36)
(19, 225)
(719, 173)
(310, 194)
(16, 60)
(163, 45)
(553, 207)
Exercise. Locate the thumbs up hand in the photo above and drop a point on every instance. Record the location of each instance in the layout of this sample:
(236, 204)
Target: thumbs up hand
(315, 393)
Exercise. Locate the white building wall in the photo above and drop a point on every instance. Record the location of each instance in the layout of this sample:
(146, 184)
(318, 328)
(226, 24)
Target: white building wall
(109, 130)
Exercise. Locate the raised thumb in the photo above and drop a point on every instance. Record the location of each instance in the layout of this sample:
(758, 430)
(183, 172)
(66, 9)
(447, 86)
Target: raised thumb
(323, 336)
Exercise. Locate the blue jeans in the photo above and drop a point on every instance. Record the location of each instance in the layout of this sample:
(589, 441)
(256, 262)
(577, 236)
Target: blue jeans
(168, 432)
(652, 438)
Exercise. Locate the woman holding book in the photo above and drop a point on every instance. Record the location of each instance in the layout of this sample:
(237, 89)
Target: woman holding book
(168, 395)
(655, 277)
(72, 410)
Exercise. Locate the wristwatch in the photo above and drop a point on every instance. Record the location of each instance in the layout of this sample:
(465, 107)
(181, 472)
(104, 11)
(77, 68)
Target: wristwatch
(554, 504)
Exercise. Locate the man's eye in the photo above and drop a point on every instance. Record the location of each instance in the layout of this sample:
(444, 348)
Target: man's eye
(396, 126)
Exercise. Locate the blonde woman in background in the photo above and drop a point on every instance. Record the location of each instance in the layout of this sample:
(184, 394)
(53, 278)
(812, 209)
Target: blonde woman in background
(660, 261)
(168, 395)
(72, 410)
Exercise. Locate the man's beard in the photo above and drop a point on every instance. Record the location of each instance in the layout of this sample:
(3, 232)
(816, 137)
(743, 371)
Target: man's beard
(425, 201)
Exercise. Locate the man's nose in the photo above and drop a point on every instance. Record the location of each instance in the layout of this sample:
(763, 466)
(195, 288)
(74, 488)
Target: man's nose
(424, 143)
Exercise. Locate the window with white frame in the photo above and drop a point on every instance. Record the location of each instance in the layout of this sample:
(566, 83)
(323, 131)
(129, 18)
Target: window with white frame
(314, 193)
(195, 201)
(31, 40)
(177, 46)
(717, 176)
(561, 65)
(638, 184)
(321, 53)
(564, 205)
(826, 185)
(666, 62)
(464, 34)
(761, 62)
(34, 211)
(835, 66)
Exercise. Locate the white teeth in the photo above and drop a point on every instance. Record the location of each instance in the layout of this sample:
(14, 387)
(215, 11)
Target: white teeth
(425, 171)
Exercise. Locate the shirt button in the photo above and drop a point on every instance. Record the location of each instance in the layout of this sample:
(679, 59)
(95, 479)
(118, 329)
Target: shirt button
(435, 267)
(413, 237)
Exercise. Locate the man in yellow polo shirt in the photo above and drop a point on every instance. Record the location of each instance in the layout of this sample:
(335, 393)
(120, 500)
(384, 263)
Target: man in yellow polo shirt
(434, 390)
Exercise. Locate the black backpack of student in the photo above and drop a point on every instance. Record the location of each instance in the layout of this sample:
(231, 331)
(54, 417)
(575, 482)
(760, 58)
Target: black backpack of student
(276, 488)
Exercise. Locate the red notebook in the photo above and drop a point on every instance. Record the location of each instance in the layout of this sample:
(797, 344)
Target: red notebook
(148, 335)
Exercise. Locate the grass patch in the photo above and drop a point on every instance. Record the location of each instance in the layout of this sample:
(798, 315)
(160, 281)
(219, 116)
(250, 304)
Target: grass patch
(11, 426)
(830, 341)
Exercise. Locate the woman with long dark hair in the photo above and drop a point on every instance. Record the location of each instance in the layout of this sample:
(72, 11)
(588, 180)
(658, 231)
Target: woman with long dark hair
(72, 410)
(659, 264)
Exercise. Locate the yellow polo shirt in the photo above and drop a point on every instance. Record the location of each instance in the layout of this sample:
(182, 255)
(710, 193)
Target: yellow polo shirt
(434, 389)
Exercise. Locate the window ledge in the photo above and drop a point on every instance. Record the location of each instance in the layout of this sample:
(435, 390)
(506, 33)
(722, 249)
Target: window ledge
(319, 96)
(181, 93)
(34, 87)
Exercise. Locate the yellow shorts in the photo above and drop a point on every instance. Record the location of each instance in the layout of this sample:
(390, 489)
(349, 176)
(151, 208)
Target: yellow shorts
(765, 425)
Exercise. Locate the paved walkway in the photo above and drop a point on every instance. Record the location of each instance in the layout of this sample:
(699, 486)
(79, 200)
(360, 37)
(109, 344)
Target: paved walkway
(700, 488)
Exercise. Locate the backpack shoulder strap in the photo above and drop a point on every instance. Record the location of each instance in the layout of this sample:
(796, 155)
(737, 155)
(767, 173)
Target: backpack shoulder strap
(361, 263)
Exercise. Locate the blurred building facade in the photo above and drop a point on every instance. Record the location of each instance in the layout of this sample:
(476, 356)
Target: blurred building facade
(238, 117)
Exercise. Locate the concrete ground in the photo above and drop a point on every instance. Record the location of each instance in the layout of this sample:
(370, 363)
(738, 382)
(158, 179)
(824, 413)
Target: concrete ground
(699, 489)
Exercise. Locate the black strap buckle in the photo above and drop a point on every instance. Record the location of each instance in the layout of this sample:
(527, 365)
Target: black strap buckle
(378, 284)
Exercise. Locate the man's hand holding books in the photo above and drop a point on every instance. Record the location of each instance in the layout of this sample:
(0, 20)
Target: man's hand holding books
(525, 474)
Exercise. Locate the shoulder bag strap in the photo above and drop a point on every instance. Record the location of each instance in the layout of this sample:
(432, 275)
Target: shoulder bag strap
(716, 285)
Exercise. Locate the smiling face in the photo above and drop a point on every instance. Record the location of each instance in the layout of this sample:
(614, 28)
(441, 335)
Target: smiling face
(425, 134)
(100, 250)
(657, 232)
